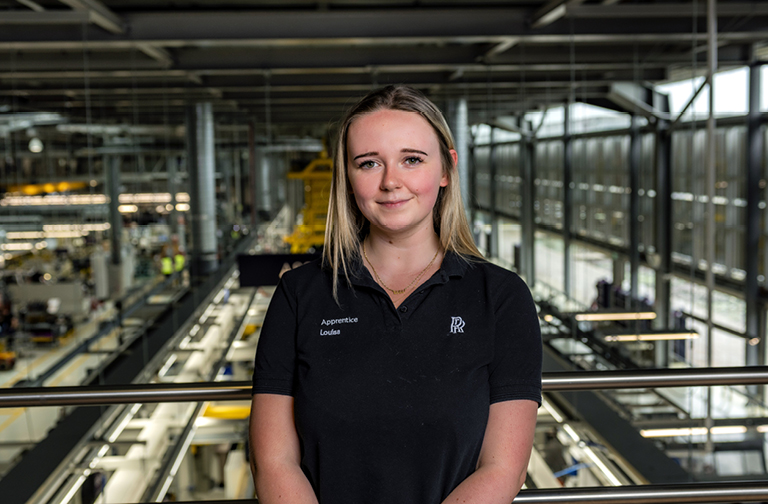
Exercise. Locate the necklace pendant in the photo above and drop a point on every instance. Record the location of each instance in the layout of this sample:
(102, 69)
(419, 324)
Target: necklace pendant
(398, 291)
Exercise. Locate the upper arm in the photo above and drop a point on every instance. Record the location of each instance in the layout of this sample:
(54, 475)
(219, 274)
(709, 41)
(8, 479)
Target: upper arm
(275, 361)
(509, 437)
(515, 372)
(273, 436)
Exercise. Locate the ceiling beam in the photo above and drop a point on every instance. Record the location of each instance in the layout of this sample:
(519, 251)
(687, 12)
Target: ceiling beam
(32, 5)
(501, 47)
(362, 27)
(382, 69)
(157, 53)
(75, 42)
(45, 18)
(100, 15)
(462, 87)
(663, 10)
(444, 23)
(551, 12)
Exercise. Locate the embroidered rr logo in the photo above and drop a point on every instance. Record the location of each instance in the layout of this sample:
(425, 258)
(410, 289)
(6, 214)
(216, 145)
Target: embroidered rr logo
(457, 325)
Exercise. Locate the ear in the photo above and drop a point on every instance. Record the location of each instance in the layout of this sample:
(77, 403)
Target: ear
(455, 158)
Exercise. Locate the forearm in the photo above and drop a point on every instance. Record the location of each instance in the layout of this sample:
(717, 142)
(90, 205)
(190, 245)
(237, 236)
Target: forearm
(283, 484)
(488, 485)
(504, 456)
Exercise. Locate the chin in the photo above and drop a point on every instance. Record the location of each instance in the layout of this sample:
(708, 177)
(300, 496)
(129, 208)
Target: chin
(397, 225)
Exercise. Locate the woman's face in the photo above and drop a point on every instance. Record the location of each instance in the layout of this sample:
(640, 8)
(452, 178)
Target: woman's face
(395, 169)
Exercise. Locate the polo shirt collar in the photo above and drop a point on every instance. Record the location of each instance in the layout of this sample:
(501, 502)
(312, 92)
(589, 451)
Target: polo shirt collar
(453, 265)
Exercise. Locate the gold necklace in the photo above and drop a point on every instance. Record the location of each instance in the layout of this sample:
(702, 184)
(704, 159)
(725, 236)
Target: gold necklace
(398, 291)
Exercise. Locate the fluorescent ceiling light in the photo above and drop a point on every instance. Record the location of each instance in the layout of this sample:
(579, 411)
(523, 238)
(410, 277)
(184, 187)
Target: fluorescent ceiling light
(17, 246)
(34, 235)
(614, 316)
(91, 199)
(152, 198)
(104, 226)
(695, 431)
(54, 200)
(729, 429)
(653, 336)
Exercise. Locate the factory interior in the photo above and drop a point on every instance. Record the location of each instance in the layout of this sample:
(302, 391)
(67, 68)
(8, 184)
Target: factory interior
(162, 160)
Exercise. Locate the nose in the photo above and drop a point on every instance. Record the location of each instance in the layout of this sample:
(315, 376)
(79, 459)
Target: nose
(390, 179)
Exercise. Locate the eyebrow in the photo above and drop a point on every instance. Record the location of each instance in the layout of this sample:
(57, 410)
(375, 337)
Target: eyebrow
(416, 151)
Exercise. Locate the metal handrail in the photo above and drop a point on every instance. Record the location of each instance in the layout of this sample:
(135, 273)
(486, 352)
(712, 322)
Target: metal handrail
(645, 494)
(650, 494)
(241, 390)
(655, 378)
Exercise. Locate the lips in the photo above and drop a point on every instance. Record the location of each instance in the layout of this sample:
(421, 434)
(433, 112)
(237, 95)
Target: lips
(393, 203)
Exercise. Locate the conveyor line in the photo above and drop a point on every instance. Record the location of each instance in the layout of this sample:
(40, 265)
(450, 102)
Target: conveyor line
(30, 474)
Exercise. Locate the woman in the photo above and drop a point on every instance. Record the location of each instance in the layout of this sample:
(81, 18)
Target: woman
(402, 368)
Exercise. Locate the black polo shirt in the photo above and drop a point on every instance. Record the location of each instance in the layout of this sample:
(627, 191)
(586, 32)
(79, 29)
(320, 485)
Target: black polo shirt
(391, 404)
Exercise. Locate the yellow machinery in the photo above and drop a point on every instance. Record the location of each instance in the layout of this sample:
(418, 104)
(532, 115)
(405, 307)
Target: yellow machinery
(7, 357)
(35, 189)
(317, 191)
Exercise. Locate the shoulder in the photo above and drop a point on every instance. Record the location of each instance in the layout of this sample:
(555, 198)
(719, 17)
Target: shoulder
(307, 276)
(495, 276)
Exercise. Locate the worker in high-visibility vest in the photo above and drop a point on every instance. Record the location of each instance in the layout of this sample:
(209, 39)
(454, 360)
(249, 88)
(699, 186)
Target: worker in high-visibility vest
(178, 261)
(166, 266)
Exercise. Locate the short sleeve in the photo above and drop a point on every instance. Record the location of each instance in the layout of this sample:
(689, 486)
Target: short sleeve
(515, 372)
(276, 351)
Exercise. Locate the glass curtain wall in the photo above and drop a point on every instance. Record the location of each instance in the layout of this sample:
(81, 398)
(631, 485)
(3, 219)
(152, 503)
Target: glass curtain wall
(600, 268)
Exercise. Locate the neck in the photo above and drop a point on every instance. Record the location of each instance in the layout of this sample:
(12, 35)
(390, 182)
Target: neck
(397, 250)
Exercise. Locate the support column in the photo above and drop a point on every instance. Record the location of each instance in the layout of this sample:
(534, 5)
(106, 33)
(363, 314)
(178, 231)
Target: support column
(755, 328)
(226, 177)
(634, 209)
(264, 188)
(113, 164)
(618, 270)
(237, 160)
(567, 198)
(460, 127)
(120, 274)
(710, 213)
(493, 246)
(172, 163)
(252, 172)
(201, 147)
(663, 225)
(528, 174)
(11, 162)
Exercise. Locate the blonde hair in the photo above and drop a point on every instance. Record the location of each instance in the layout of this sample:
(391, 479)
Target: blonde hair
(346, 225)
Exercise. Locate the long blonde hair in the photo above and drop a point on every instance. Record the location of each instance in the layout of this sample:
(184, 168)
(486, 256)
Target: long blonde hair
(346, 225)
